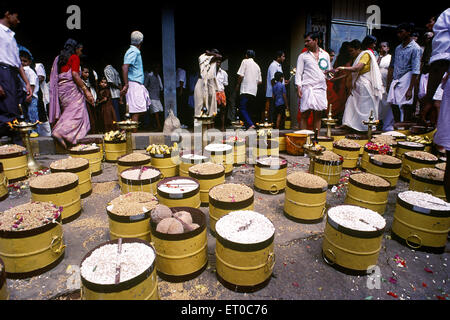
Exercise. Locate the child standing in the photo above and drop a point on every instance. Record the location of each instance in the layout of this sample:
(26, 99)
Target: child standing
(279, 98)
(88, 79)
(31, 104)
(104, 101)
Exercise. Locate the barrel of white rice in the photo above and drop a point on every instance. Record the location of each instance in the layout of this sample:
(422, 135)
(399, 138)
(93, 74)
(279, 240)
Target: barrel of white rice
(413, 160)
(326, 142)
(143, 179)
(80, 167)
(421, 221)
(31, 239)
(135, 159)
(371, 149)
(428, 180)
(349, 150)
(189, 160)
(107, 274)
(221, 154)
(386, 167)
(244, 251)
(114, 150)
(4, 294)
(92, 153)
(368, 191)
(306, 197)
(441, 166)
(270, 174)
(14, 160)
(406, 146)
(226, 198)
(129, 215)
(3, 184)
(181, 257)
(179, 192)
(208, 175)
(352, 238)
(399, 136)
(239, 149)
(168, 164)
(265, 147)
(60, 189)
(329, 167)
(361, 139)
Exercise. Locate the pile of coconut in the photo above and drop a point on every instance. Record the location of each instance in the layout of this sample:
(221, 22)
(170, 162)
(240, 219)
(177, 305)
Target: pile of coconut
(172, 223)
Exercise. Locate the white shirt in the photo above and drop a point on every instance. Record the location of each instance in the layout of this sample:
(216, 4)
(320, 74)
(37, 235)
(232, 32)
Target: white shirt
(222, 80)
(273, 68)
(308, 70)
(441, 40)
(181, 76)
(251, 74)
(113, 76)
(40, 70)
(384, 68)
(9, 53)
(33, 79)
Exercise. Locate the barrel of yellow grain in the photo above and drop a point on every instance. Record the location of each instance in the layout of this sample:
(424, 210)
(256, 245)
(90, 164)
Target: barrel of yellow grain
(102, 278)
(270, 174)
(329, 167)
(3, 184)
(31, 239)
(60, 189)
(4, 294)
(179, 191)
(326, 142)
(352, 239)
(421, 221)
(221, 154)
(386, 167)
(168, 164)
(306, 197)
(129, 215)
(368, 191)
(182, 256)
(406, 146)
(349, 150)
(244, 259)
(80, 167)
(189, 160)
(208, 175)
(14, 160)
(413, 160)
(441, 166)
(143, 179)
(361, 139)
(239, 150)
(114, 150)
(371, 149)
(92, 153)
(390, 140)
(226, 198)
(135, 159)
(428, 180)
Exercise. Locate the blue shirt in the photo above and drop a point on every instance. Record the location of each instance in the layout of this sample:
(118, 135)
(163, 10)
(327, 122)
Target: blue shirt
(136, 69)
(278, 90)
(406, 59)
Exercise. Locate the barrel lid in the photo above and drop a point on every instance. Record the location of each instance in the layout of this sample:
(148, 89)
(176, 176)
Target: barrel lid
(193, 158)
(217, 148)
(411, 145)
(424, 203)
(307, 132)
(178, 187)
(271, 162)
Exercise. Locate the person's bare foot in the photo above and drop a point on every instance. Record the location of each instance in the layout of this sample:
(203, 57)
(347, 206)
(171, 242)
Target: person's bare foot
(60, 141)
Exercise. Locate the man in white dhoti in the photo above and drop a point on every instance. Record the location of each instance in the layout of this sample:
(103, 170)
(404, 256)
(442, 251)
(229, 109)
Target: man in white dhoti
(311, 82)
(137, 96)
(206, 87)
(439, 64)
(367, 88)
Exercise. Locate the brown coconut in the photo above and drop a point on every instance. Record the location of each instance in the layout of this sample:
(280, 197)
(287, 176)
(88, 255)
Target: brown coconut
(160, 213)
(170, 226)
(184, 216)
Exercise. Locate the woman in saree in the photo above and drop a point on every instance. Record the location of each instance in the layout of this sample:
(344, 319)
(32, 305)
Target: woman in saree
(68, 94)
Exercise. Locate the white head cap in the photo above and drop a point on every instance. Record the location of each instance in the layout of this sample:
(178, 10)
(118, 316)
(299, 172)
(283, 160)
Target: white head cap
(136, 38)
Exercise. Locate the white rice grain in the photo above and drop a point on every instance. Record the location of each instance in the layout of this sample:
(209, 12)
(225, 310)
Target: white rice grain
(424, 200)
(357, 218)
(178, 186)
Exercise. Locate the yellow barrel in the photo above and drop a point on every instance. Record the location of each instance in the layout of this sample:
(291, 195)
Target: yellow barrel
(326, 142)
(168, 164)
(243, 267)
(221, 154)
(282, 142)
(406, 146)
(4, 294)
(295, 143)
(15, 165)
(350, 248)
(189, 160)
(265, 147)
(270, 177)
(220, 208)
(179, 191)
(418, 226)
(98, 142)
(181, 257)
(143, 184)
(328, 170)
(441, 166)
(361, 139)
(84, 177)
(29, 253)
(370, 152)
(387, 170)
(142, 287)
(366, 195)
(123, 164)
(350, 155)
(66, 196)
(207, 181)
(411, 163)
(239, 150)
(3, 184)
(305, 204)
(114, 150)
(137, 226)
(95, 157)
(435, 187)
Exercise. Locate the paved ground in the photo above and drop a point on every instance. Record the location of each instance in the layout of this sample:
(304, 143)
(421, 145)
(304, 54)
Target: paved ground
(300, 272)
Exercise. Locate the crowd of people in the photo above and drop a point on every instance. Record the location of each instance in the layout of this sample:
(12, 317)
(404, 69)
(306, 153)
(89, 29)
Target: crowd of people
(364, 77)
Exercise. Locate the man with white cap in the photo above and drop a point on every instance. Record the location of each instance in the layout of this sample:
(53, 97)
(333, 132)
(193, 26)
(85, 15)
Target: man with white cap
(137, 96)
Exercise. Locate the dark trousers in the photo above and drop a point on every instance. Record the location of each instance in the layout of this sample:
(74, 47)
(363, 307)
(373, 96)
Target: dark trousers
(115, 102)
(247, 108)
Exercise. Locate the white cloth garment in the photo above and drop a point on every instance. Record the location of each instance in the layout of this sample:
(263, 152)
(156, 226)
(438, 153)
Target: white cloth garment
(273, 68)
(365, 97)
(423, 83)
(385, 110)
(206, 87)
(112, 76)
(40, 70)
(32, 79)
(137, 96)
(222, 80)
(398, 90)
(251, 73)
(311, 78)
(9, 53)
(156, 106)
